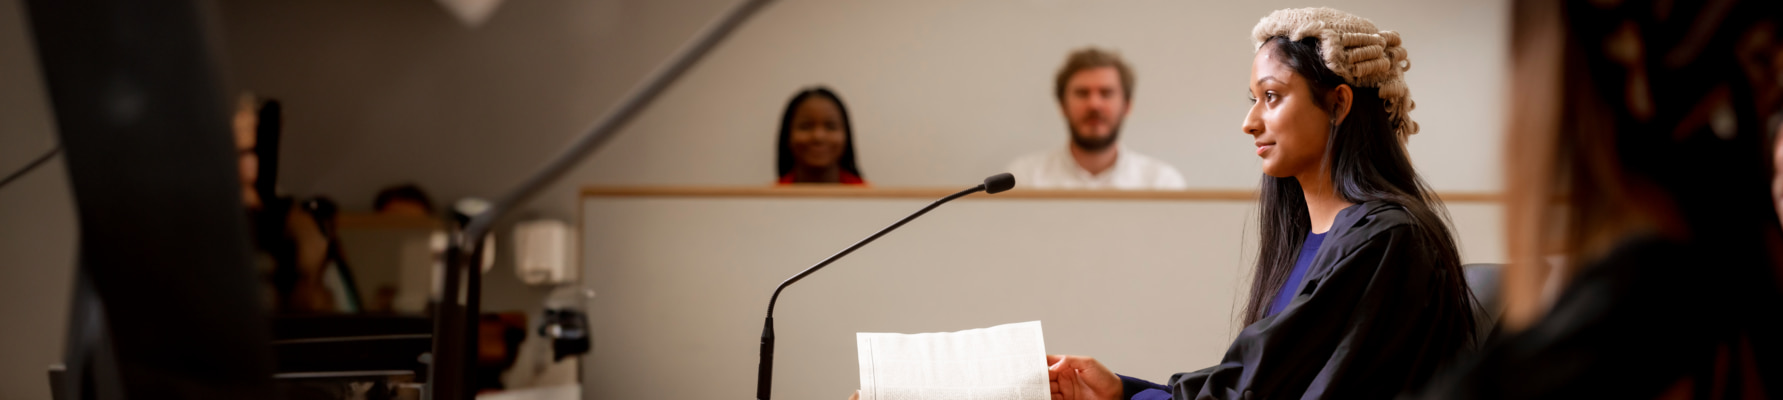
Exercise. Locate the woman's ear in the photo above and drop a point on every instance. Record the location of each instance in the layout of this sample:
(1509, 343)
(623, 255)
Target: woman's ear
(1341, 98)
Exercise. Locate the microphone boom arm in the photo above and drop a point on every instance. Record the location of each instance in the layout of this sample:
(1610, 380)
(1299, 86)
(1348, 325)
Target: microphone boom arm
(764, 378)
(863, 242)
(630, 107)
(455, 319)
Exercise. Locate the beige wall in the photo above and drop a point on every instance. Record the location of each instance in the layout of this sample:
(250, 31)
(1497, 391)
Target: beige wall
(37, 225)
(943, 92)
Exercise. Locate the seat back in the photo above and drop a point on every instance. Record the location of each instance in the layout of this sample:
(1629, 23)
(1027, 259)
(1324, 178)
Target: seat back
(1483, 280)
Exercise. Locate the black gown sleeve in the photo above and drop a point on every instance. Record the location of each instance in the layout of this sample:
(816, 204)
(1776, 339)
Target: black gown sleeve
(1368, 325)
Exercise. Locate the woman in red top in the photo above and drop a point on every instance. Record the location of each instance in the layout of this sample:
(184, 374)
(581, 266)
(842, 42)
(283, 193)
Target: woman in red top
(816, 140)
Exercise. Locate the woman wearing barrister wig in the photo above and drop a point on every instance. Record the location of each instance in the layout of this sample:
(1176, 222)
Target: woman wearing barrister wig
(1358, 290)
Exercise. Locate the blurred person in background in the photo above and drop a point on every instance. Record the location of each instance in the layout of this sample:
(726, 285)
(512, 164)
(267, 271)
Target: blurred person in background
(406, 199)
(1095, 91)
(1358, 290)
(817, 140)
(1638, 166)
(292, 249)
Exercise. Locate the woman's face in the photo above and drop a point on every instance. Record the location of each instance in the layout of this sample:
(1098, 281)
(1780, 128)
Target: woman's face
(1289, 125)
(817, 134)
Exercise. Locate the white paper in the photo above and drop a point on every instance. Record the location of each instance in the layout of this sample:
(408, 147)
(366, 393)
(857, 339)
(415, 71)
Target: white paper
(1004, 362)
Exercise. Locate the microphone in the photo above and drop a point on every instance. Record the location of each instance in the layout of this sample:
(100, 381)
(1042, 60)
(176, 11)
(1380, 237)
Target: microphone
(999, 183)
(764, 377)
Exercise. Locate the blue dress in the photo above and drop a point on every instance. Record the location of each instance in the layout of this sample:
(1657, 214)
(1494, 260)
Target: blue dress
(1308, 250)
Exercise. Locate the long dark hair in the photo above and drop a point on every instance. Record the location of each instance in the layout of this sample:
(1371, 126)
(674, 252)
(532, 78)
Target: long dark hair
(792, 107)
(1367, 162)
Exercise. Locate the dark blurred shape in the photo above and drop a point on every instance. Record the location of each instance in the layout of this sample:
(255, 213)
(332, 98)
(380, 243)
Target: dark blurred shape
(293, 248)
(348, 385)
(348, 356)
(57, 371)
(499, 338)
(165, 305)
(1644, 244)
(568, 331)
(334, 343)
(326, 214)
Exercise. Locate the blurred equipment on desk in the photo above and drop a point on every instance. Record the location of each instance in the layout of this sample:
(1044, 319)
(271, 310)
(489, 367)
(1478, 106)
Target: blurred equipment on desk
(351, 356)
(566, 322)
(498, 346)
(393, 258)
(544, 252)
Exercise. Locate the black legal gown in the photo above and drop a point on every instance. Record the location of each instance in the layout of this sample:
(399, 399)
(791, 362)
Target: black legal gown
(1374, 316)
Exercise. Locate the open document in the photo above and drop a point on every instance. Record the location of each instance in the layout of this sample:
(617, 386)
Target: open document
(1004, 362)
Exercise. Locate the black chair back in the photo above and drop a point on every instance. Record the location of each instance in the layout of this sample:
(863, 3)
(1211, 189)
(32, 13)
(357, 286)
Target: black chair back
(1484, 280)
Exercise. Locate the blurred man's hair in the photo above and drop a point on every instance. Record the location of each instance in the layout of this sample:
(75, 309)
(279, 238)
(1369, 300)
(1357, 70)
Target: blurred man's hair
(1089, 58)
(404, 192)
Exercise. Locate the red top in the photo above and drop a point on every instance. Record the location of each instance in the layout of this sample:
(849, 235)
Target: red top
(844, 177)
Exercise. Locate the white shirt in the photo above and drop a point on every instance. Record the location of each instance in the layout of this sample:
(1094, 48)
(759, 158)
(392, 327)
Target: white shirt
(1055, 169)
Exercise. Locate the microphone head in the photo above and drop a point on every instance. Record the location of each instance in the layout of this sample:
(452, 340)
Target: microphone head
(999, 183)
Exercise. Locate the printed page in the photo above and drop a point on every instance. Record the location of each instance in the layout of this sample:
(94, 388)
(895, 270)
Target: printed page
(1004, 362)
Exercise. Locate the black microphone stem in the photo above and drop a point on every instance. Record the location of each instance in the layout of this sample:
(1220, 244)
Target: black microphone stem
(764, 376)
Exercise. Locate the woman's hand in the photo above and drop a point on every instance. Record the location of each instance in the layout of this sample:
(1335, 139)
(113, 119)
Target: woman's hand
(1081, 378)
(855, 396)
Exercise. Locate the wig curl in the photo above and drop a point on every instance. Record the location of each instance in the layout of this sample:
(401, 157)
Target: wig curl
(1354, 49)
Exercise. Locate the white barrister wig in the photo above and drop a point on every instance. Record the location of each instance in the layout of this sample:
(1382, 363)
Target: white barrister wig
(1353, 48)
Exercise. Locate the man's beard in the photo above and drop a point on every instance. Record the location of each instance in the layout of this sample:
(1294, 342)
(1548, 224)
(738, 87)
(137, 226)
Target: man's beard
(1091, 144)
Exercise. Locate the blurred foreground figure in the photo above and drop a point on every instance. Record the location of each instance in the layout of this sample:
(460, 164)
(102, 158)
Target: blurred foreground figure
(1643, 240)
(291, 248)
